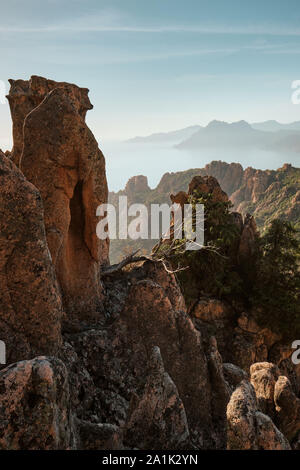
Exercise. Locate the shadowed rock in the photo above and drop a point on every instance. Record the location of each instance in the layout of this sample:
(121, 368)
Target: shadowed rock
(287, 408)
(248, 238)
(99, 436)
(34, 406)
(156, 418)
(263, 378)
(233, 375)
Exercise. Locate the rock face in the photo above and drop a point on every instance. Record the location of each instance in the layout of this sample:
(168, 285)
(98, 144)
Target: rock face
(271, 394)
(157, 417)
(136, 184)
(26, 95)
(150, 374)
(209, 185)
(241, 341)
(30, 303)
(287, 408)
(266, 194)
(99, 436)
(263, 378)
(248, 428)
(191, 382)
(60, 156)
(157, 324)
(253, 184)
(248, 237)
(34, 406)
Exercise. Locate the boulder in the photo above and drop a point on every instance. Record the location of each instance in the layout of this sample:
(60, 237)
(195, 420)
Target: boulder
(287, 408)
(34, 406)
(248, 428)
(263, 378)
(241, 418)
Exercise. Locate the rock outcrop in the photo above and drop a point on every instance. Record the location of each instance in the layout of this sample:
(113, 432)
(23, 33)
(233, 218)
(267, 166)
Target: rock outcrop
(248, 428)
(34, 406)
(263, 378)
(208, 185)
(271, 394)
(241, 341)
(26, 95)
(60, 156)
(99, 436)
(135, 185)
(30, 303)
(148, 373)
(156, 418)
(266, 194)
(287, 408)
(248, 238)
(151, 316)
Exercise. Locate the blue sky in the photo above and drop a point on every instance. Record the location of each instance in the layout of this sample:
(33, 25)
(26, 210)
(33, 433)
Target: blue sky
(158, 65)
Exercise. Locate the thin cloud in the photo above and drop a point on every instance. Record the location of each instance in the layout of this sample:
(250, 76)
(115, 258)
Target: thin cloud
(87, 26)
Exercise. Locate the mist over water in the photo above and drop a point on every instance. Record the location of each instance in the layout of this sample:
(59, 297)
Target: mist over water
(124, 160)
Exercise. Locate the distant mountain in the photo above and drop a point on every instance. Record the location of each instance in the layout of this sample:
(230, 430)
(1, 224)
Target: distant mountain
(171, 137)
(274, 126)
(219, 134)
(223, 134)
(268, 135)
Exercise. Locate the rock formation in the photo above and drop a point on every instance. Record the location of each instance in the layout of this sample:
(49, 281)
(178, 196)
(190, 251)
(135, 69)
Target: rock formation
(26, 95)
(34, 406)
(287, 404)
(266, 194)
(248, 428)
(157, 417)
(209, 185)
(152, 373)
(248, 237)
(135, 185)
(150, 316)
(60, 156)
(30, 303)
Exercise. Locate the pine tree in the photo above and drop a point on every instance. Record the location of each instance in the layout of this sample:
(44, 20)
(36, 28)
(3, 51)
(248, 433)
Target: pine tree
(276, 293)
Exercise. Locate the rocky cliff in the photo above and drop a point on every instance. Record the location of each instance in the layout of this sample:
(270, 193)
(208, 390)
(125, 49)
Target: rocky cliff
(98, 361)
(266, 194)
(56, 152)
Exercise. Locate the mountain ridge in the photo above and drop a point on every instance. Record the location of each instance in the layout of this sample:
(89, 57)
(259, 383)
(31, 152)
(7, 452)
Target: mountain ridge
(267, 135)
(266, 194)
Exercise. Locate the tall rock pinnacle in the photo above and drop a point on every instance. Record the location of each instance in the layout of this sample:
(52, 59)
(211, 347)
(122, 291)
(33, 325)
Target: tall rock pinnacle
(58, 153)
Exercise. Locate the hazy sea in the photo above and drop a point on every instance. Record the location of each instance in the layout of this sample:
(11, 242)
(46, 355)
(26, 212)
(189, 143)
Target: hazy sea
(124, 160)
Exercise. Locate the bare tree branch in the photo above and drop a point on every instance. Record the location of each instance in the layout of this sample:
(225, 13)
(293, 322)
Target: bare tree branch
(131, 259)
